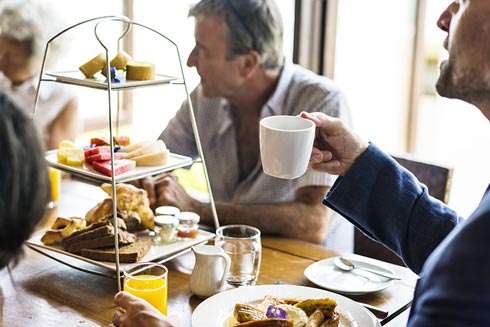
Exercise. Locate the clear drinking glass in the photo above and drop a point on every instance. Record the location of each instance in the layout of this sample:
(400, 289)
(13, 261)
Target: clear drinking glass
(55, 179)
(242, 244)
(148, 281)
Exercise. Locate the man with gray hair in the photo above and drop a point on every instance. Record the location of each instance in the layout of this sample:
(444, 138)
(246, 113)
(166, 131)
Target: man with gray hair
(244, 78)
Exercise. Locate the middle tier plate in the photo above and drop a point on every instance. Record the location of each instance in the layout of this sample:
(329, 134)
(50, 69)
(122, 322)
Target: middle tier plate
(86, 171)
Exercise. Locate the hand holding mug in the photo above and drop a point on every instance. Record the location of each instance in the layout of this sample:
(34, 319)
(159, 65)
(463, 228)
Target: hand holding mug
(336, 146)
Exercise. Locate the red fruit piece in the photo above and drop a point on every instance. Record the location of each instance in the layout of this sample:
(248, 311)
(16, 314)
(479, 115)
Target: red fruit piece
(97, 150)
(99, 141)
(122, 140)
(120, 166)
(104, 156)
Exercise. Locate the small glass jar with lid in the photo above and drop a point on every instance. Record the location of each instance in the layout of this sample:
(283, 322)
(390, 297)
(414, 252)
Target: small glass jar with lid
(167, 211)
(188, 225)
(165, 229)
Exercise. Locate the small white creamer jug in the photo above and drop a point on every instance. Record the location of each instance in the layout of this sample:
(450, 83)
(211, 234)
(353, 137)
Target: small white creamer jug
(210, 271)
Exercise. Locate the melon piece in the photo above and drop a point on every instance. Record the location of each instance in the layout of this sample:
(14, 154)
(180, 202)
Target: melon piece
(66, 144)
(75, 158)
(135, 146)
(97, 150)
(153, 147)
(103, 156)
(75, 154)
(120, 166)
(152, 159)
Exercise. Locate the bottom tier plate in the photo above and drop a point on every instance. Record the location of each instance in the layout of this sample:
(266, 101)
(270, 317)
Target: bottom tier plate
(156, 252)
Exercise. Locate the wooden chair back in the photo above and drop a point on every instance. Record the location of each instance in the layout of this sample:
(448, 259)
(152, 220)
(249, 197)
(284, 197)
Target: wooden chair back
(437, 178)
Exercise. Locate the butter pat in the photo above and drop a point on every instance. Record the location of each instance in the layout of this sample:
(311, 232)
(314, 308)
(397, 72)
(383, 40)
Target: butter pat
(140, 71)
(93, 65)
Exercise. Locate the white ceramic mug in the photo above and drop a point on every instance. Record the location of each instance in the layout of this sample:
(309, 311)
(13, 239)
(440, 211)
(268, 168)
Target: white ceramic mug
(285, 145)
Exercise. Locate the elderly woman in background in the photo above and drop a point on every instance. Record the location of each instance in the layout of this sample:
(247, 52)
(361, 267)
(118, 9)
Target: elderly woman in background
(25, 27)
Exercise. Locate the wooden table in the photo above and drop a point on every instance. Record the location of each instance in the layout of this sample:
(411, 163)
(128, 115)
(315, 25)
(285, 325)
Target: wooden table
(43, 292)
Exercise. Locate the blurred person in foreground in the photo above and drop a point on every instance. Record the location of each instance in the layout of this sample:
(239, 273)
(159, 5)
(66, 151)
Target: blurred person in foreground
(384, 200)
(387, 202)
(25, 27)
(24, 182)
(244, 78)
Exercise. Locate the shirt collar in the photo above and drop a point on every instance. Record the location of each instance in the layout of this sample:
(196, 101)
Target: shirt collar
(275, 103)
(28, 87)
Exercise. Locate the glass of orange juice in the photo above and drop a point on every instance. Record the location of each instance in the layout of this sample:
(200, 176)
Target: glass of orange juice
(148, 281)
(55, 178)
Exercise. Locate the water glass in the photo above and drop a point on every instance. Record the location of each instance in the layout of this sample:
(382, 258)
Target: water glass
(148, 281)
(242, 244)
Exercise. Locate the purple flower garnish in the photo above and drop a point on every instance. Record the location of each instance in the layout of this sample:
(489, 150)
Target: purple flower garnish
(275, 312)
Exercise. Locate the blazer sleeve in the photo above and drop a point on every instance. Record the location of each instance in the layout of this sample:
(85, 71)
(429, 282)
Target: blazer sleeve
(389, 204)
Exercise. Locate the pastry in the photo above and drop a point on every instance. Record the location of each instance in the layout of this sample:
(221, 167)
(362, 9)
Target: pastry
(140, 71)
(93, 65)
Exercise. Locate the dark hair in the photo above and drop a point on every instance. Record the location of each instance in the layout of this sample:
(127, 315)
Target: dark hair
(24, 182)
(252, 25)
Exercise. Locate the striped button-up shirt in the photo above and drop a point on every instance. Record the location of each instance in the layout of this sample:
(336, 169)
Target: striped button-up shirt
(298, 90)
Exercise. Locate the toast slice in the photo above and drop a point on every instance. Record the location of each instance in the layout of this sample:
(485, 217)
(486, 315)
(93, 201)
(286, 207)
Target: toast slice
(96, 236)
(127, 253)
(101, 242)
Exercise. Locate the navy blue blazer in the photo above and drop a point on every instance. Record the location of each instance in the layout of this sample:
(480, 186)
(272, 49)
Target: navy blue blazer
(451, 255)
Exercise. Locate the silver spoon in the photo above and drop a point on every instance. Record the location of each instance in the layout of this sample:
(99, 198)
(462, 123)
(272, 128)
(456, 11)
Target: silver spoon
(348, 265)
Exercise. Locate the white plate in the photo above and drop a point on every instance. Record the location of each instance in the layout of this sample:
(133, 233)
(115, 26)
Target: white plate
(174, 161)
(216, 310)
(325, 274)
(99, 81)
(156, 251)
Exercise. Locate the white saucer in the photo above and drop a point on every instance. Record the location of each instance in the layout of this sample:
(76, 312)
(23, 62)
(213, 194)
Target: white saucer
(325, 274)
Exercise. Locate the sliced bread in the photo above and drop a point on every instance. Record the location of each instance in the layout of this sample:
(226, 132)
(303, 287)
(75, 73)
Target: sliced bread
(127, 253)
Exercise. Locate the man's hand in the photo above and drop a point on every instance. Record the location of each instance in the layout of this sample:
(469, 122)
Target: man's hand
(137, 312)
(336, 146)
(169, 192)
(148, 184)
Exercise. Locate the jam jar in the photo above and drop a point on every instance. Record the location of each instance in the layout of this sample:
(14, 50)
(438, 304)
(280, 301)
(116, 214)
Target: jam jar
(165, 229)
(188, 225)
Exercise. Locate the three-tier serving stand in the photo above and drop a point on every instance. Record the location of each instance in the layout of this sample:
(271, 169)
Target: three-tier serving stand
(111, 86)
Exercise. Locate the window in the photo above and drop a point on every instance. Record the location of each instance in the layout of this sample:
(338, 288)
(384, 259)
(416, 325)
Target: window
(375, 66)
(451, 131)
(151, 108)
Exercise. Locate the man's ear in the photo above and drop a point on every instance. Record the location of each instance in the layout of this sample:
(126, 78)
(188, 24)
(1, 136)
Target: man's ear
(251, 62)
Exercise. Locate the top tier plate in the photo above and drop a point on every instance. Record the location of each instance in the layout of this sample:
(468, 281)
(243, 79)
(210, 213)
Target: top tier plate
(99, 81)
